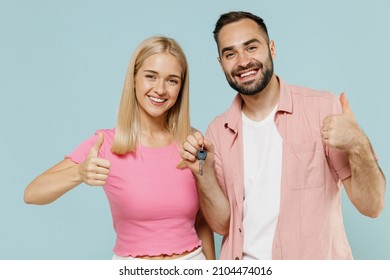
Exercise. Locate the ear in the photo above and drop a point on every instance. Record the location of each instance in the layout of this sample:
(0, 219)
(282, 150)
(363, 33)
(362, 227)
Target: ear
(272, 48)
(220, 62)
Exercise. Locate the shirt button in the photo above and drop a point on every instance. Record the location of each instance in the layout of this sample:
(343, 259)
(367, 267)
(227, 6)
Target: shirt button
(237, 258)
(239, 229)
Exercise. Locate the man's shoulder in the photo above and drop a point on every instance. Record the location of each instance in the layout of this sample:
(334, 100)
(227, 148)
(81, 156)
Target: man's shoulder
(219, 121)
(221, 117)
(307, 92)
(231, 115)
(313, 100)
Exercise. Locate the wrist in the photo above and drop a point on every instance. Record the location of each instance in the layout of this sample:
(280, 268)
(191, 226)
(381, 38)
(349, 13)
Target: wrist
(361, 148)
(76, 174)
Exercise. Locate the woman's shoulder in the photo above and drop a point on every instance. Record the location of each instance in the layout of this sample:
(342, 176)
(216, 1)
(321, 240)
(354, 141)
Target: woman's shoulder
(106, 131)
(108, 134)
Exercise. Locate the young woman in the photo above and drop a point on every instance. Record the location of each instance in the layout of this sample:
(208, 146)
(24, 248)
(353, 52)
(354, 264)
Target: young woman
(154, 203)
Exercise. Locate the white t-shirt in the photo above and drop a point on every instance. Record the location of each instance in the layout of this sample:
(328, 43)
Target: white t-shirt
(262, 175)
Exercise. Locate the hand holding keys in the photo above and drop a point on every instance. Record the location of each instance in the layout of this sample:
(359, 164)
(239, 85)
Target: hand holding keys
(201, 156)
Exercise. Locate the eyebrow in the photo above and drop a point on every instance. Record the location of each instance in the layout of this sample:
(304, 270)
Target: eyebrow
(155, 72)
(230, 48)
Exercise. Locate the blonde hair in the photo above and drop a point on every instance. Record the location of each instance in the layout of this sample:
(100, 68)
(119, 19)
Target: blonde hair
(127, 130)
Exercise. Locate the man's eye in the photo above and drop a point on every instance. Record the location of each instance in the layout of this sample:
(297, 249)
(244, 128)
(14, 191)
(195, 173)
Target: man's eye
(251, 48)
(229, 55)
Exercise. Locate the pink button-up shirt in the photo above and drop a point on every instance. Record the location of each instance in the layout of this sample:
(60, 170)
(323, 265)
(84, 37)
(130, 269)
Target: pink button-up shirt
(310, 223)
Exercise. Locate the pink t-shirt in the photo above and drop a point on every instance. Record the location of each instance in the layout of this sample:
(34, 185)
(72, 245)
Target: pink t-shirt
(153, 203)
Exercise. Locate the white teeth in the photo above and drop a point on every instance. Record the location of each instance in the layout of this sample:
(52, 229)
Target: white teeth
(155, 99)
(247, 73)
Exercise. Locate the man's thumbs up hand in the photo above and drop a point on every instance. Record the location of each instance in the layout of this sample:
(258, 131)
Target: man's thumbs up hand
(94, 170)
(341, 131)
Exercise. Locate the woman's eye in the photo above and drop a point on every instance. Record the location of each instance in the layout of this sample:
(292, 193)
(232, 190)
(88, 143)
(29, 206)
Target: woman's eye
(151, 77)
(173, 81)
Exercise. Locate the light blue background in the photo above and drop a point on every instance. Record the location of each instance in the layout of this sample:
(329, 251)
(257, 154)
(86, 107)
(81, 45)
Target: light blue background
(62, 66)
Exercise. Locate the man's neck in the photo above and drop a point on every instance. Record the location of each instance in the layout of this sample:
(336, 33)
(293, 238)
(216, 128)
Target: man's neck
(257, 107)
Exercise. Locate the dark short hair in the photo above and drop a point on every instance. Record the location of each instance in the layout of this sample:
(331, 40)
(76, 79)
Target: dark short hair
(235, 16)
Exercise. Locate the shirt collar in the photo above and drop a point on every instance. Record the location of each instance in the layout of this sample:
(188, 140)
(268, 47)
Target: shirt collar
(285, 99)
(234, 113)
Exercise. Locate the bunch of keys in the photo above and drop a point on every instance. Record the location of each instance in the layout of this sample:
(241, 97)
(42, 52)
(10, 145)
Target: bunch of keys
(201, 156)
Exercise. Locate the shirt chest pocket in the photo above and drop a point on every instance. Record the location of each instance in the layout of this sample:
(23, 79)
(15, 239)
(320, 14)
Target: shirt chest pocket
(305, 165)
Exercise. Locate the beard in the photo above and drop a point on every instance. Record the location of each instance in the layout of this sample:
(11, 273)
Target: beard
(256, 86)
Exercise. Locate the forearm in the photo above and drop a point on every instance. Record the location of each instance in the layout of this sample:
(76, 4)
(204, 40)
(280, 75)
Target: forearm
(367, 180)
(52, 184)
(206, 235)
(214, 204)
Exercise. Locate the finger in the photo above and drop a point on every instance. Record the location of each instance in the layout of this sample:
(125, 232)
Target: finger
(193, 141)
(94, 151)
(102, 171)
(327, 120)
(187, 156)
(182, 164)
(208, 145)
(96, 166)
(345, 106)
(190, 148)
(324, 135)
(199, 138)
(330, 143)
(325, 127)
(96, 182)
(99, 177)
(101, 162)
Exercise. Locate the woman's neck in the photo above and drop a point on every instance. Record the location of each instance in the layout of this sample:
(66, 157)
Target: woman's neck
(154, 133)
